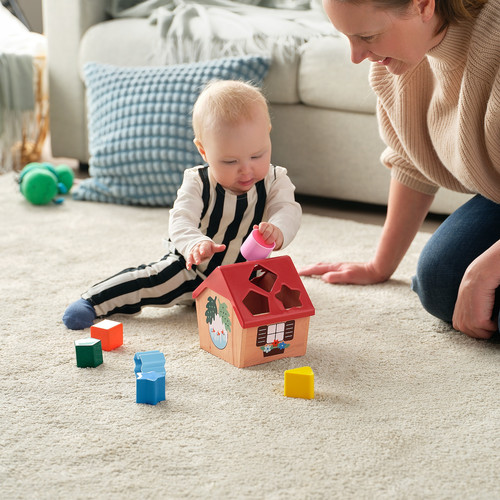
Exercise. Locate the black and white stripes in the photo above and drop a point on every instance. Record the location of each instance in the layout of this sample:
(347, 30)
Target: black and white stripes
(203, 210)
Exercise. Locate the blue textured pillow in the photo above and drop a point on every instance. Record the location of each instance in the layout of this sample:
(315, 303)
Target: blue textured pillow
(139, 120)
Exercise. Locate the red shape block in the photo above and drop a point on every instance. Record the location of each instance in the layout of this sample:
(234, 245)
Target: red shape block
(110, 333)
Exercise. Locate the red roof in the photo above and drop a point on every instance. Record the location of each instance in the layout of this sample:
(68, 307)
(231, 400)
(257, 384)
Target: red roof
(261, 291)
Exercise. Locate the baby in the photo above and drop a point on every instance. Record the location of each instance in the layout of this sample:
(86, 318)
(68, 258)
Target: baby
(217, 206)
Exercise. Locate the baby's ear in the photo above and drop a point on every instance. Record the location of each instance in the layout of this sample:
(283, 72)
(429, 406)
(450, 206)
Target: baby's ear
(200, 147)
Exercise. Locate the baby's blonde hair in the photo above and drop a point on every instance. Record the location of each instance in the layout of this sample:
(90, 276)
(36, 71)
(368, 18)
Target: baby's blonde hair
(226, 101)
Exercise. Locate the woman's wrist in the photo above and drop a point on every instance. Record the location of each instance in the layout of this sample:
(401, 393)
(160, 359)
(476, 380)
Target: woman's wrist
(379, 271)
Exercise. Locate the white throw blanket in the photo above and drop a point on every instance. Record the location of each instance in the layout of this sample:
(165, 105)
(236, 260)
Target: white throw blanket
(205, 29)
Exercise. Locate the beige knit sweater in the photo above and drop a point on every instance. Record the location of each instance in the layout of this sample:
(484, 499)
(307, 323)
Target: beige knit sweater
(441, 120)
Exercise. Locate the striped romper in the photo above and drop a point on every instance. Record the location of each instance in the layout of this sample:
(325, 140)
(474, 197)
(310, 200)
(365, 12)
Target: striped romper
(203, 210)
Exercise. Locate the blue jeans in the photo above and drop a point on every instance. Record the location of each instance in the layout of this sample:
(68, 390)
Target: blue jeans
(462, 237)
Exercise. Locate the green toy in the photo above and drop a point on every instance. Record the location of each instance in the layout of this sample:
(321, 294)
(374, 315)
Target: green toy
(40, 183)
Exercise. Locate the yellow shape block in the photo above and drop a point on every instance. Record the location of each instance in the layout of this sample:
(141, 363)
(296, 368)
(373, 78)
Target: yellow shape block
(299, 383)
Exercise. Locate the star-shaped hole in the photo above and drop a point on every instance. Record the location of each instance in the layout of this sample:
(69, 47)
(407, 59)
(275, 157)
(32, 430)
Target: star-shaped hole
(289, 298)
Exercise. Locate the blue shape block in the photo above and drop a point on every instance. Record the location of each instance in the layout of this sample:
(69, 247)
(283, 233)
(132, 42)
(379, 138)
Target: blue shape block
(150, 388)
(149, 361)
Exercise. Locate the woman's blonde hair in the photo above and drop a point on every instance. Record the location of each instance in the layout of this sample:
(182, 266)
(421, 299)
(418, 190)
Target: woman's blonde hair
(226, 101)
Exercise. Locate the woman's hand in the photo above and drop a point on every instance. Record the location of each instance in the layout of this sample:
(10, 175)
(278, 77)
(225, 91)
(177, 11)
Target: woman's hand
(202, 251)
(405, 212)
(476, 296)
(354, 273)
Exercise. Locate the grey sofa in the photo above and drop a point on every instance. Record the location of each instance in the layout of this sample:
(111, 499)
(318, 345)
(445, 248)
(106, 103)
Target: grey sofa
(323, 110)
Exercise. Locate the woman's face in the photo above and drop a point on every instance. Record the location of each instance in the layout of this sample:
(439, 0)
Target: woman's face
(397, 40)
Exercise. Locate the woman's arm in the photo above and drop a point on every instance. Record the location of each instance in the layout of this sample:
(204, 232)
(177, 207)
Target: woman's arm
(406, 210)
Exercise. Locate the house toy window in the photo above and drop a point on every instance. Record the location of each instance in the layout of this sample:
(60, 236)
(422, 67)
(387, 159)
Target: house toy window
(275, 333)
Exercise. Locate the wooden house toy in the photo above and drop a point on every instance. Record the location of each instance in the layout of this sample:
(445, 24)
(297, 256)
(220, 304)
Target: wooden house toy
(110, 333)
(254, 312)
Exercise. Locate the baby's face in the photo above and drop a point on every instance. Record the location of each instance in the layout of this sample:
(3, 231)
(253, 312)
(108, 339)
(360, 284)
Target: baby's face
(239, 154)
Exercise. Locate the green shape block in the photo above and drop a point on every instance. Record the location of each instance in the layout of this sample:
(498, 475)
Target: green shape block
(88, 353)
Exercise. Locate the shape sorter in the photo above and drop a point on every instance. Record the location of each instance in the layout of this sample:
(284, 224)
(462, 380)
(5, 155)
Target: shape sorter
(88, 353)
(254, 312)
(110, 333)
(150, 377)
(299, 383)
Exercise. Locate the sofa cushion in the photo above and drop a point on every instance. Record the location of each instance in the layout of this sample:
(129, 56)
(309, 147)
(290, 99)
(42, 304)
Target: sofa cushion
(328, 78)
(122, 42)
(139, 120)
(133, 42)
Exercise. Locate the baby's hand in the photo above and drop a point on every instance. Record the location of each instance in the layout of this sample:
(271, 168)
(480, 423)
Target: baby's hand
(271, 234)
(202, 251)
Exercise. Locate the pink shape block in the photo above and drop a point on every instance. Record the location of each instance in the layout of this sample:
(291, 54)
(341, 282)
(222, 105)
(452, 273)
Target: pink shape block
(255, 248)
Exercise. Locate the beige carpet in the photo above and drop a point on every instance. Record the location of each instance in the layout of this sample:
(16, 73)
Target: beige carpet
(405, 407)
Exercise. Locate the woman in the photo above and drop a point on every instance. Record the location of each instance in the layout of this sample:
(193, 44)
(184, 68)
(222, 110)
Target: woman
(435, 70)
